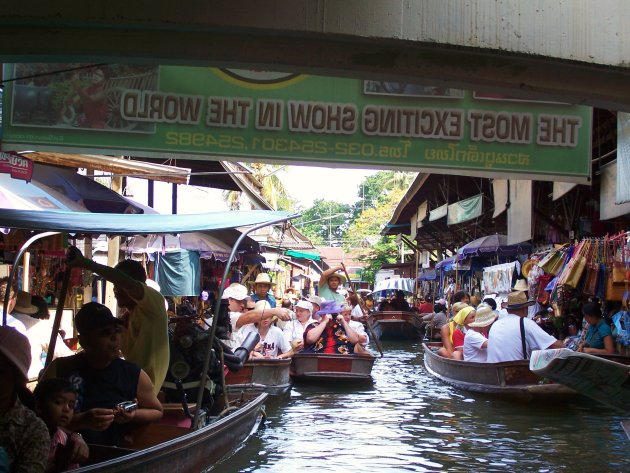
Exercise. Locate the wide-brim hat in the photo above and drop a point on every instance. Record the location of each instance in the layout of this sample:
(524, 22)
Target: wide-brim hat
(521, 285)
(484, 316)
(315, 300)
(235, 291)
(329, 307)
(16, 347)
(342, 278)
(263, 278)
(517, 300)
(23, 304)
(527, 266)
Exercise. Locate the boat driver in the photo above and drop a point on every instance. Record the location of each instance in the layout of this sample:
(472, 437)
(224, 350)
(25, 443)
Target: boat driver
(262, 288)
(329, 282)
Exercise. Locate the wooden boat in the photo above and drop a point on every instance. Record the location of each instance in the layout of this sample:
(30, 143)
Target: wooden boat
(395, 325)
(159, 448)
(261, 375)
(332, 368)
(603, 378)
(509, 380)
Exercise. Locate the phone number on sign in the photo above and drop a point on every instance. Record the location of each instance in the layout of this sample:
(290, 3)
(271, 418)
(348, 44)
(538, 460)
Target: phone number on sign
(288, 145)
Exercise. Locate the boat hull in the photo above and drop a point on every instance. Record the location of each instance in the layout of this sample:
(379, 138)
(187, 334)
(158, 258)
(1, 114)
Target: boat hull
(509, 380)
(192, 452)
(395, 325)
(318, 367)
(261, 375)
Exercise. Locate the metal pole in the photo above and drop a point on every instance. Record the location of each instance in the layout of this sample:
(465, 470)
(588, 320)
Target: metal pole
(14, 269)
(215, 317)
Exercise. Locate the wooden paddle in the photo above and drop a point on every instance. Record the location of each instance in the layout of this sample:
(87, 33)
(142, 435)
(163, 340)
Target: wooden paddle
(362, 304)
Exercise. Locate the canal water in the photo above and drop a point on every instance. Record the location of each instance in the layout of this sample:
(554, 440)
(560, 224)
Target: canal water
(409, 421)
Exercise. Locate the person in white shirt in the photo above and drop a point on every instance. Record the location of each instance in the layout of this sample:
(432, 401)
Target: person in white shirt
(240, 318)
(273, 343)
(505, 342)
(294, 329)
(357, 327)
(475, 341)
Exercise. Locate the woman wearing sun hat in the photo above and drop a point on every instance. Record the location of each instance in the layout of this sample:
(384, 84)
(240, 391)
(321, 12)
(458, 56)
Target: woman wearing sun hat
(23, 436)
(448, 331)
(475, 342)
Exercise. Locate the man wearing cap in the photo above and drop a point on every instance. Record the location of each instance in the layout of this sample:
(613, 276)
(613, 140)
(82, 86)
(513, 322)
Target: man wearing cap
(262, 288)
(145, 342)
(294, 329)
(103, 380)
(329, 283)
(316, 302)
(331, 334)
(514, 336)
(475, 343)
(23, 436)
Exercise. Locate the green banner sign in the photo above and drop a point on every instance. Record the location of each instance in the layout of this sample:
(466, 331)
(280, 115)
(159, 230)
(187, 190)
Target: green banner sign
(250, 116)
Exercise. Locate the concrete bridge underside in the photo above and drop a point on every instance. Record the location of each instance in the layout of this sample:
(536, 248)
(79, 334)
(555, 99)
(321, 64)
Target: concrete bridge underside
(569, 50)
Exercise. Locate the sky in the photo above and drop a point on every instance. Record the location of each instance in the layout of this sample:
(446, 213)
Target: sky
(304, 183)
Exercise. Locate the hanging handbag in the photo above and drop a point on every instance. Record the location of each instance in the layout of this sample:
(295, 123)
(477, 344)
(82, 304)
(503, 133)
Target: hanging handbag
(543, 281)
(621, 266)
(552, 262)
(592, 270)
(574, 270)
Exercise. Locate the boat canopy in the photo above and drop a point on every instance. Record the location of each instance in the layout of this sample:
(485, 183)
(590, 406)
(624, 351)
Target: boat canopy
(134, 224)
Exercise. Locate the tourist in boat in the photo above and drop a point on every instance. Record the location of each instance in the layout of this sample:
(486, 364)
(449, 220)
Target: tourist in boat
(599, 337)
(316, 302)
(358, 327)
(55, 399)
(400, 303)
(104, 380)
(241, 319)
(426, 305)
(434, 321)
(461, 296)
(505, 342)
(330, 282)
(23, 436)
(357, 312)
(331, 334)
(38, 333)
(475, 341)
(384, 305)
(262, 289)
(294, 329)
(145, 340)
(450, 336)
(273, 343)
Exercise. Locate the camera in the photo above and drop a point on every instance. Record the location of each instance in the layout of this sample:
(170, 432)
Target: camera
(127, 406)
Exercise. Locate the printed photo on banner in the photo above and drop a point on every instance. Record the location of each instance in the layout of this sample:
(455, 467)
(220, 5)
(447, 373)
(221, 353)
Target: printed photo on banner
(79, 96)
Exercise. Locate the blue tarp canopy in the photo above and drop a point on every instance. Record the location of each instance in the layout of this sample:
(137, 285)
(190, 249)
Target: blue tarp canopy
(134, 224)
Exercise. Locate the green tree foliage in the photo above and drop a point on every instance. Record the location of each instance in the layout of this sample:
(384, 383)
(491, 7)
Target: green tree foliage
(382, 252)
(325, 222)
(374, 189)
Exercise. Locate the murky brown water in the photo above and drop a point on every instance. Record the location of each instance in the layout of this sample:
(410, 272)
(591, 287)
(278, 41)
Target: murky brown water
(409, 421)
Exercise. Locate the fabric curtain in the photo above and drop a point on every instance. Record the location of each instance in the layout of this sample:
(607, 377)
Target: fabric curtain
(179, 273)
(465, 210)
(438, 213)
(520, 212)
(607, 207)
(499, 189)
(623, 158)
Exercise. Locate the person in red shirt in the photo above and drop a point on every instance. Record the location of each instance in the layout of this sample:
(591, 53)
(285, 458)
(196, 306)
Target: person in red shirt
(332, 334)
(426, 305)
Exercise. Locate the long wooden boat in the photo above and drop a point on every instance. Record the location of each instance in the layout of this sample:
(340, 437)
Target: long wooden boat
(261, 375)
(157, 448)
(318, 367)
(603, 378)
(509, 380)
(396, 325)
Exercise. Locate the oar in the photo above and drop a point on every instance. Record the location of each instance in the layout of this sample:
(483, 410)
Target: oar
(58, 314)
(367, 321)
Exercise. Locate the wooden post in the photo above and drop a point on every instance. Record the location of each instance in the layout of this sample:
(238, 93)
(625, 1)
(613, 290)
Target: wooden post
(26, 269)
(113, 252)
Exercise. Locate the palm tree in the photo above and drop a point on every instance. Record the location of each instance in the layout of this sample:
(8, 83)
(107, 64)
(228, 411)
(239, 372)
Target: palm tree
(233, 199)
(273, 189)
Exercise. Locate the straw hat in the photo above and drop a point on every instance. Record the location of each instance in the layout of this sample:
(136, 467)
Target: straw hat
(23, 304)
(263, 278)
(235, 291)
(517, 300)
(315, 300)
(527, 266)
(484, 316)
(342, 278)
(521, 285)
(16, 348)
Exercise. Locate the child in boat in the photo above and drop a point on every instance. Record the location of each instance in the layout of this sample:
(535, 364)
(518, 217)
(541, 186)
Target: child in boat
(273, 343)
(55, 399)
(475, 341)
